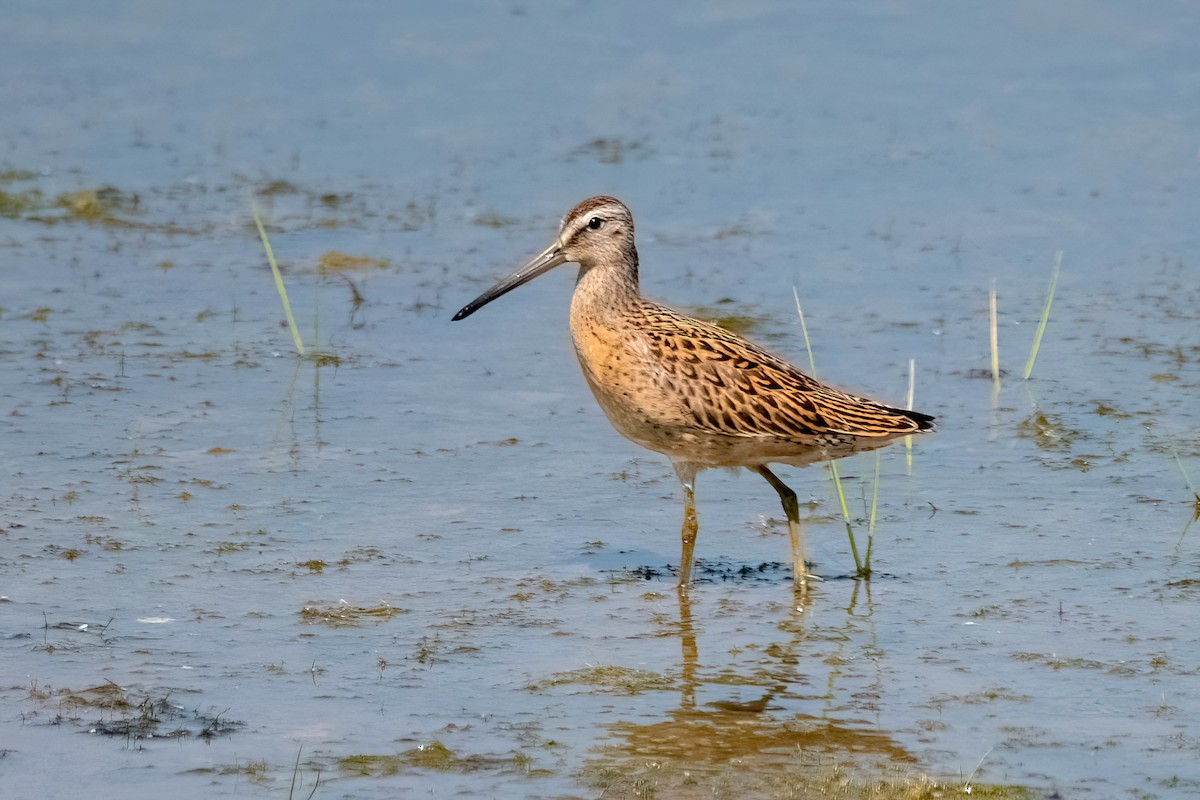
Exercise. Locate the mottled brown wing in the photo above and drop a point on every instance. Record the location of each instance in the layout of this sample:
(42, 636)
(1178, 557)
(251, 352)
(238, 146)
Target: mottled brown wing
(731, 386)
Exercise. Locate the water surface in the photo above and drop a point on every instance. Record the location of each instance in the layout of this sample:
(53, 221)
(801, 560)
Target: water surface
(424, 563)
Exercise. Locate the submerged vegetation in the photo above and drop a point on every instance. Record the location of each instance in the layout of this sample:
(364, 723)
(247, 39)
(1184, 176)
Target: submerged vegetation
(333, 262)
(607, 678)
(816, 777)
(16, 204)
(103, 206)
(107, 709)
(435, 757)
(342, 614)
(736, 318)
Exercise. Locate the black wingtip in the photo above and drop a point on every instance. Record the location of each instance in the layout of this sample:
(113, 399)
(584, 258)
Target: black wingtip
(924, 421)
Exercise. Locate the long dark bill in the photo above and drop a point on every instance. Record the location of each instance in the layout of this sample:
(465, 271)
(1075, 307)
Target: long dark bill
(545, 261)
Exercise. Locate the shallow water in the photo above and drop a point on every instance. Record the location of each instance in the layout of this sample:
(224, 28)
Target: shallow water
(426, 563)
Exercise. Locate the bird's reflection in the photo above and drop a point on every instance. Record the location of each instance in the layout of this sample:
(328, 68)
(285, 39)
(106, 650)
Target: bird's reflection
(787, 722)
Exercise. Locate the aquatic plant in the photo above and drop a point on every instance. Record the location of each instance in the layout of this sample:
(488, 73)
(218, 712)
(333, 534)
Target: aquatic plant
(287, 306)
(1041, 328)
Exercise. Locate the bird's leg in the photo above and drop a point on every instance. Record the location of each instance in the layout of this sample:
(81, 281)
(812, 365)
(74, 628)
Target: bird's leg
(687, 478)
(791, 508)
(690, 653)
(688, 536)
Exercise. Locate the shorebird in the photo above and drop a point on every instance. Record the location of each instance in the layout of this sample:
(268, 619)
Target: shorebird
(701, 395)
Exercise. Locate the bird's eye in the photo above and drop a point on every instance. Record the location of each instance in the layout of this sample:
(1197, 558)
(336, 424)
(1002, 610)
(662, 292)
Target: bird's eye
(595, 222)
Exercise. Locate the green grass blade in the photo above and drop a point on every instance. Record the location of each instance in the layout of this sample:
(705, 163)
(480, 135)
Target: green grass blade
(1195, 495)
(1187, 478)
(859, 569)
(287, 306)
(812, 364)
(871, 519)
(912, 391)
(296, 768)
(874, 497)
(994, 336)
(1041, 328)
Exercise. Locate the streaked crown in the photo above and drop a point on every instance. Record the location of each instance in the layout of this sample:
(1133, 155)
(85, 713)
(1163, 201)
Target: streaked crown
(599, 231)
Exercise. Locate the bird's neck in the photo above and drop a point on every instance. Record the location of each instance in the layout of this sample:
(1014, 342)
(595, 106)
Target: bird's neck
(607, 286)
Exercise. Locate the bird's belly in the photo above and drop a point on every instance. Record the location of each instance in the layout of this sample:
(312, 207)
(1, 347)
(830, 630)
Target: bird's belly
(634, 407)
(626, 390)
